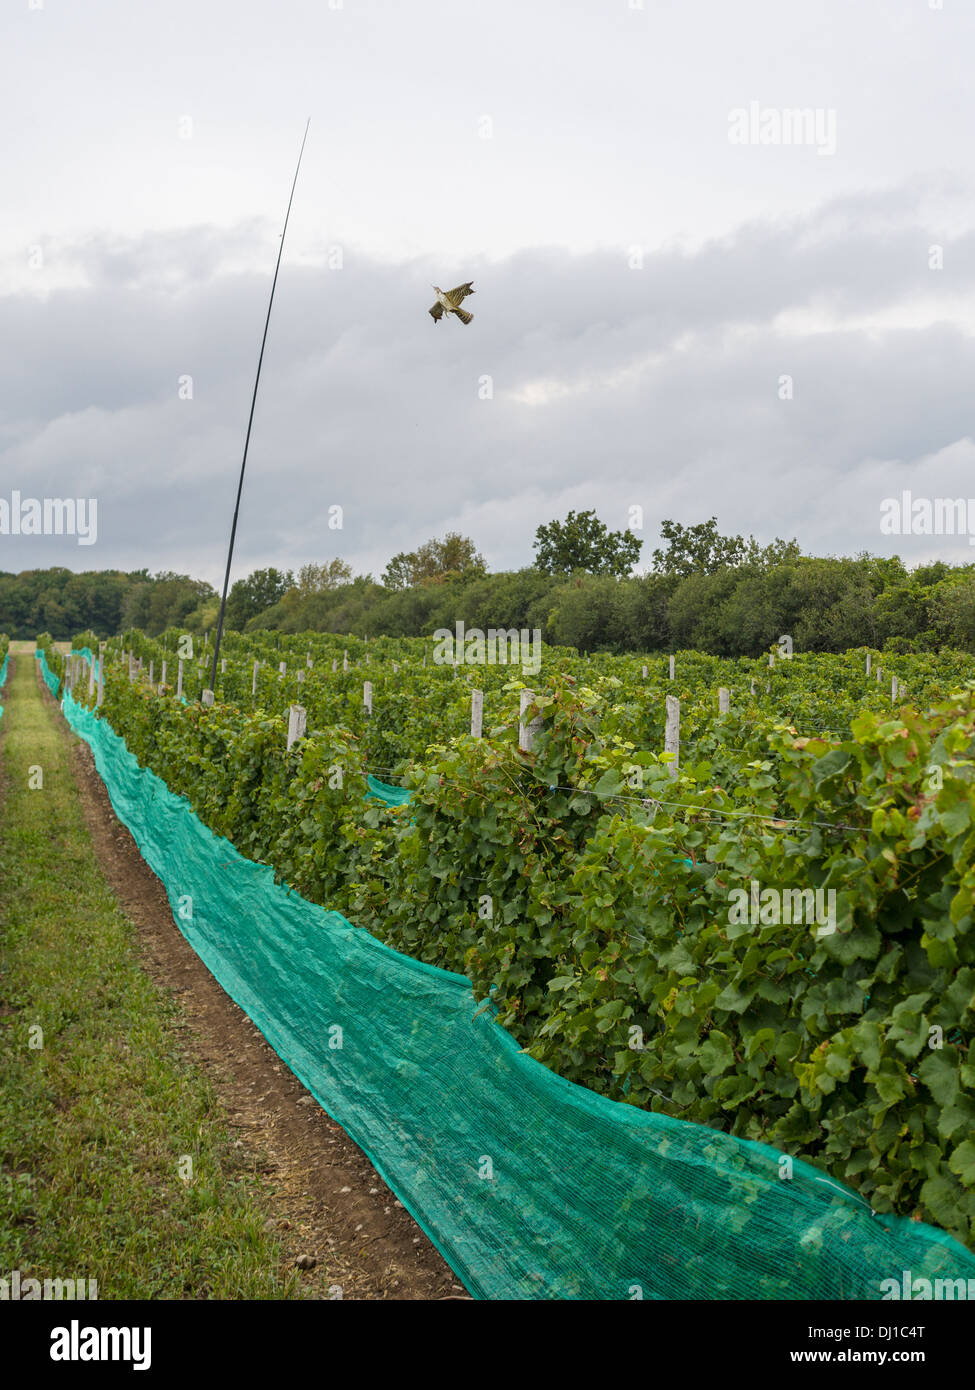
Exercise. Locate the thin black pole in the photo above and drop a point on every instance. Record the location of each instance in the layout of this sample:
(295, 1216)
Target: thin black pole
(250, 421)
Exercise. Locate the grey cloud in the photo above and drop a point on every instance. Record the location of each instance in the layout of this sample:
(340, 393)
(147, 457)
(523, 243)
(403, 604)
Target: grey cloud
(655, 386)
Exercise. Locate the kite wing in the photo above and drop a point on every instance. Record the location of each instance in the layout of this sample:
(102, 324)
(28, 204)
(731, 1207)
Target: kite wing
(460, 293)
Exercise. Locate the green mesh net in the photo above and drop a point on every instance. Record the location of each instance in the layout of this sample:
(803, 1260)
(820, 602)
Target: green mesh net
(382, 791)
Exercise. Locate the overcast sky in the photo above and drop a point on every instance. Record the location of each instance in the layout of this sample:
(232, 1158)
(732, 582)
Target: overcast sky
(654, 273)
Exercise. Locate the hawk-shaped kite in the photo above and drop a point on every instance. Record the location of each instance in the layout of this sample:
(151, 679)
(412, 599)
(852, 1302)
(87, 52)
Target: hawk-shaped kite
(449, 302)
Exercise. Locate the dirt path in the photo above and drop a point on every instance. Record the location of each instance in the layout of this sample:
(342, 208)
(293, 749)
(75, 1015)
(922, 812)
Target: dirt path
(330, 1202)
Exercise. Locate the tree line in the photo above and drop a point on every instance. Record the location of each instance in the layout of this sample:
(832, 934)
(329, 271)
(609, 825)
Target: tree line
(727, 595)
(61, 602)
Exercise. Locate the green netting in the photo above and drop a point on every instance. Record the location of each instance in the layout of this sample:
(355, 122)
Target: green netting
(531, 1186)
(52, 681)
(382, 791)
(89, 656)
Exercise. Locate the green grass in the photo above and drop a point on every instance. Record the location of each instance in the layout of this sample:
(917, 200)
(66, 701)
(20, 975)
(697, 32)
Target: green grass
(95, 1122)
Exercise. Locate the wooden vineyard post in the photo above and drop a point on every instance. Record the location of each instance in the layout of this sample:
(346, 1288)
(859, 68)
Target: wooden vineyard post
(527, 732)
(335, 663)
(345, 661)
(671, 668)
(644, 673)
(163, 677)
(223, 665)
(477, 713)
(367, 696)
(91, 677)
(771, 659)
(672, 734)
(868, 663)
(179, 677)
(880, 672)
(297, 722)
(753, 685)
(282, 668)
(257, 667)
(893, 691)
(131, 667)
(724, 699)
(207, 697)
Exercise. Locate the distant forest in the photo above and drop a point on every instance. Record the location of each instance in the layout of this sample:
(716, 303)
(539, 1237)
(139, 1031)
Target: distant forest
(716, 594)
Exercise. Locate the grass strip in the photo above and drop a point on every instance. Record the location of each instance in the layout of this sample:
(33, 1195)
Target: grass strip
(115, 1162)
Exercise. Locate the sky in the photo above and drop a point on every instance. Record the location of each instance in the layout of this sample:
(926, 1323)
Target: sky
(723, 258)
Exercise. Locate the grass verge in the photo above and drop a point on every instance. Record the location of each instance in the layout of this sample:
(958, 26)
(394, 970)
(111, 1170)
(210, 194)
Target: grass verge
(115, 1162)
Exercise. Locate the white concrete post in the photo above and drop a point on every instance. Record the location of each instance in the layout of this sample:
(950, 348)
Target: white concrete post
(527, 732)
(477, 713)
(672, 734)
(297, 721)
